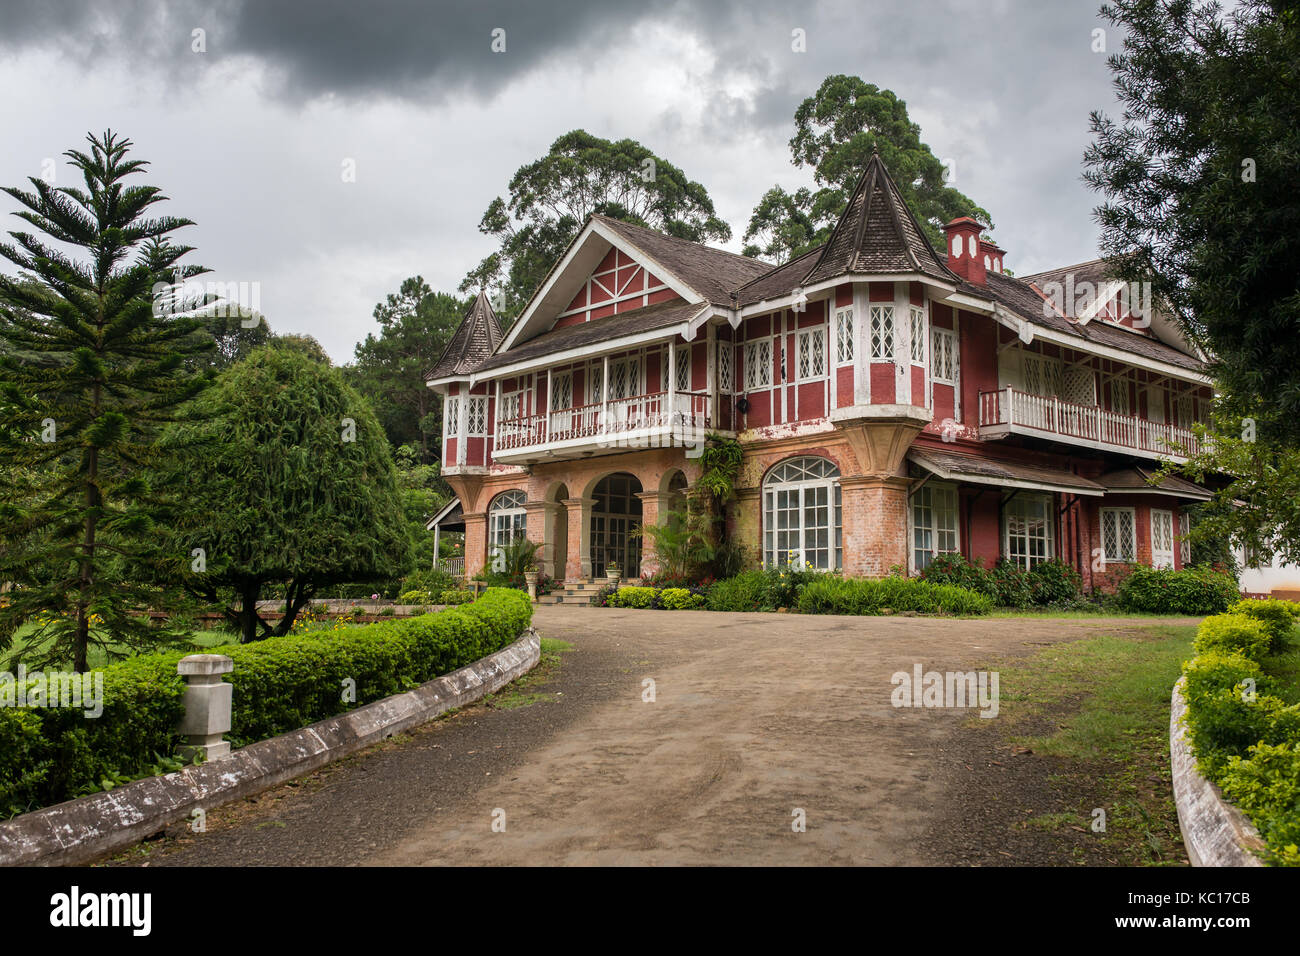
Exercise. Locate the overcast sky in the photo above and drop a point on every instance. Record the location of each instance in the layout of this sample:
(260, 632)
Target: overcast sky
(249, 138)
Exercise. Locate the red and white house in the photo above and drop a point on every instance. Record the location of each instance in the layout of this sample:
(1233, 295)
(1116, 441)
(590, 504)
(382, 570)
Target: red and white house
(893, 403)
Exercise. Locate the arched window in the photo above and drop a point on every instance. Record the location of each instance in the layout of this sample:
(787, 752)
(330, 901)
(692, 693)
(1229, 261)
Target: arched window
(507, 519)
(801, 514)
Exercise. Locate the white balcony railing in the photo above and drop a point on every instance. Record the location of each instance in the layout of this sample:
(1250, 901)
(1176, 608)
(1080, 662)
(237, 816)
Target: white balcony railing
(603, 419)
(1025, 411)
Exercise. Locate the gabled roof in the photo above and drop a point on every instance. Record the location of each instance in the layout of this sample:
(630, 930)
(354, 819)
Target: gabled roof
(877, 234)
(1136, 479)
(477, 337)
(780, 282)
(713, 273)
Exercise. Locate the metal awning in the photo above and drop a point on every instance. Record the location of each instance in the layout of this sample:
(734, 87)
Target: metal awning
(450, 518)
(952, 466)
(1134, 481)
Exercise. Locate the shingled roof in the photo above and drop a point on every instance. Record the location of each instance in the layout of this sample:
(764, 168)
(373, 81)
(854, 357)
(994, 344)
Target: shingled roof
(477, 337)
(877, 234)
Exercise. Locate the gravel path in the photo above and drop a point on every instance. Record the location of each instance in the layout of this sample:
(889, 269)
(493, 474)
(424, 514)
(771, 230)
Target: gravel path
(755, 716)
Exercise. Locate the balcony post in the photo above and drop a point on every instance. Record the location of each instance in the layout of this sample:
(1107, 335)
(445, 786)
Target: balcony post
(604, 398)
(496, 414)
(546, 409)
(672, 382)
(1056, 415)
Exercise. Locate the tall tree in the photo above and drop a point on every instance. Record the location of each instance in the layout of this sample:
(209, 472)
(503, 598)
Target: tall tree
(1199, 181)
(92, 361)
(551, 198)
(298, 489)
(836, 130)
(415, 325)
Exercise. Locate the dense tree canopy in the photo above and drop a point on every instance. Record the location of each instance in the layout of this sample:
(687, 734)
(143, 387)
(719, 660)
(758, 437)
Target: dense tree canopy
(94, 359)
(292, 483)
(552, 197)
(415, 325)
(836, 130)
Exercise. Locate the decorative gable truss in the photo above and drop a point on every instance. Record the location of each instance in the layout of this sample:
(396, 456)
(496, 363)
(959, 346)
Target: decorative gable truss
(618, 284)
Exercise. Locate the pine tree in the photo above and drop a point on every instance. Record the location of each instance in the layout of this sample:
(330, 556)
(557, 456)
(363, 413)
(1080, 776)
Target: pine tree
(93, 361)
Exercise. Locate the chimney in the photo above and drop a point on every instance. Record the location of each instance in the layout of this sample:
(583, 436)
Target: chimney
(965, 257)
(991, 256)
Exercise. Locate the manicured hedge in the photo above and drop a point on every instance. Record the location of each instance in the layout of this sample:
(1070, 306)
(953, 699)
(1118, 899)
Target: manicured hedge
(453, 596)
(1049, 583)
(280, 684)
(1278, 618)
(886, 595)
(1244, 736)
(1197, 590)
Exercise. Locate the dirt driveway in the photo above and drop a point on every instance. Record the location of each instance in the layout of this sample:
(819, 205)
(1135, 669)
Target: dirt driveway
(754, 717)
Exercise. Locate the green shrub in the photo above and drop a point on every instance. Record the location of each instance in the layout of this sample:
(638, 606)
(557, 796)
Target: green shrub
(635, 597)
(431, 581)
(680, 599)
(1233, 633)
(1266, 786)
(1054, 583)
(878, 596)
(1009, 585)
(452, 596)
(1278, 618)
(1223, 718)
(280, 684)
(956, 570)
(747, 591)
(1198, 590)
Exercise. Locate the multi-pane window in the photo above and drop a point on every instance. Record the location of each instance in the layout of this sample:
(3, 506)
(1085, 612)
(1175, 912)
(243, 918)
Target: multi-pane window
(1162, 538)
(811, 362)
(595, 383)
(1118, 534)
(478, 405)
(624, 376)
(724, 366)
(561, 391)
(512, 406)
(758, 364)
(943, 356)
(683, 369)
(916, 325)
(1185, 410)
(507, 520)
(801, 514)
(934, 523)
(1184, 538)
(451, 423)
(882, 332)
(1028, 535)
(843, 336)
(1119, 396)
(1042, 374)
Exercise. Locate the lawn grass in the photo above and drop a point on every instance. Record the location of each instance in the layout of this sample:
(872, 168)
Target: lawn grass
(518, 693)
(1114, 740)
(1088, 614)
(98, 656)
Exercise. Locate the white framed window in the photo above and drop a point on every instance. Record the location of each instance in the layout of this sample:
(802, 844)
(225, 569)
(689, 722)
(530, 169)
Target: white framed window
(943, 356)
(1119, 402)
(624, 378)
(758, 364)
(683, 369)
(1162, 538)
(1042, 374)
(1118, 535)
(1185, 410)
(561, 390)
(882, 332)
(811, 352)
(1184, 538)
(478, 406)
(725, 381)
(512, 406)
(916, 325)
(507, 519)
(1027, 523)
(801, 514)
(934, 523)
(451, 416)
(844, 336)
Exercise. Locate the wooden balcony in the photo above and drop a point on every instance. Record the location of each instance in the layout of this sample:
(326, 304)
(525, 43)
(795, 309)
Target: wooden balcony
(655, 420)
(1009, 411)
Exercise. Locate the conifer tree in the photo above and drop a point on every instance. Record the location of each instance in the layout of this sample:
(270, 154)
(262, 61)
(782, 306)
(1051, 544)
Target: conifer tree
(93, 361)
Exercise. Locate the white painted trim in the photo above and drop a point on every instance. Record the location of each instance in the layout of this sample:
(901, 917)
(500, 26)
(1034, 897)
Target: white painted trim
(970, 479)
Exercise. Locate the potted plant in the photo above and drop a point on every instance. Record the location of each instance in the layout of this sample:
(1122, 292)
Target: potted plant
(612, 573)
(531, 574)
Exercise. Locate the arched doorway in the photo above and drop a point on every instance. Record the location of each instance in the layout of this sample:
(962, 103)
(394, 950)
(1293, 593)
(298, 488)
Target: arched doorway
(615, 513)
(557, 531)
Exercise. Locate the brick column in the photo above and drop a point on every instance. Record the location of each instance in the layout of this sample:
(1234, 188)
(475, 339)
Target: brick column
(541, 529)
(578, 567)
(475, 544)
(649, 515)
(746, 526)
(874, 516)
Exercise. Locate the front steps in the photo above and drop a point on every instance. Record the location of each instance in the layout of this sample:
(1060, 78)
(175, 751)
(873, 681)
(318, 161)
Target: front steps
(576, 594)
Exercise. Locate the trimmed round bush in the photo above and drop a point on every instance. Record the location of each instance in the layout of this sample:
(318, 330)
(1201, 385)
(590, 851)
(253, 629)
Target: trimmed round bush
(454, 596)
(680, 599)
(1266, 786)
(1233, 633)
(1278, 618)
(1192, 591)
(633, 596)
